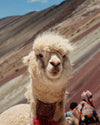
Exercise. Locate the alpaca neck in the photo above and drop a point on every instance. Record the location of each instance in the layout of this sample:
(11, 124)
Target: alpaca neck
(48, 93)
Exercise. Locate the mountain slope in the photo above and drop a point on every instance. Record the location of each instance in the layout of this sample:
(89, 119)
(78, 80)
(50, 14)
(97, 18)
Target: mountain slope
(79, 21)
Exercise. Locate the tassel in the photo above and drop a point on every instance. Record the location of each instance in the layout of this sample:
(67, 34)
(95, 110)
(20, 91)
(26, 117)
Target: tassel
(36, 122)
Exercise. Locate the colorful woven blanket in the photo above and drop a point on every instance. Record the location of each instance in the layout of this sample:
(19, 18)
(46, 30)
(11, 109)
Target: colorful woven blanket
(84, 113)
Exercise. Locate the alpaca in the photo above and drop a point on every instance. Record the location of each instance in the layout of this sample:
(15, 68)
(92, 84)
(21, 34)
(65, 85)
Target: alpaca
(50, 69)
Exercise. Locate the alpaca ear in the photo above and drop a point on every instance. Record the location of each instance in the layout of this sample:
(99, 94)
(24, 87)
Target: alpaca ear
(26, 59)
(69, 49)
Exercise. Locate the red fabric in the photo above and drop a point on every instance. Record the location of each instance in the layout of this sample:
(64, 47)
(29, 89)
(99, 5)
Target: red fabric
(45, 109)
(44, 121)
(45, 113)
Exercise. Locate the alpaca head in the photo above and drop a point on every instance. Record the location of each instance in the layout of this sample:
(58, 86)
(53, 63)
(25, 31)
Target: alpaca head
(49, 58)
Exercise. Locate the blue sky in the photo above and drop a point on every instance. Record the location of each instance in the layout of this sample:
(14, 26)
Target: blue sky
(21, 7)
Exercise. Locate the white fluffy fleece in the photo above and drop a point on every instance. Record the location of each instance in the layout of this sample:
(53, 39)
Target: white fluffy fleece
(49, 67)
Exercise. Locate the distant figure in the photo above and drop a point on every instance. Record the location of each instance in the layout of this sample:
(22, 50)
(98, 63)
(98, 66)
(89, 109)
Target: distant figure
(69, 120)
(85, 112)
(72, 106)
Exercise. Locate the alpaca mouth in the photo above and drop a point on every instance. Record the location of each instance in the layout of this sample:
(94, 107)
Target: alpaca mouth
(55, 71)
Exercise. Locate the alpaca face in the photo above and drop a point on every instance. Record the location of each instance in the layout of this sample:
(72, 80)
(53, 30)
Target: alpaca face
(52, 64)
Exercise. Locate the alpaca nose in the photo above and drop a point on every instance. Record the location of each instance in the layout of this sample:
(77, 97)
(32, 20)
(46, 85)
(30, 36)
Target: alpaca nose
(55, 64)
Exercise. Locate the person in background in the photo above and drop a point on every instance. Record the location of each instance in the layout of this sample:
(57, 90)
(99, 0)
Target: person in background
(85, 113)
(72, 106)
(89, 114)
(69, 120)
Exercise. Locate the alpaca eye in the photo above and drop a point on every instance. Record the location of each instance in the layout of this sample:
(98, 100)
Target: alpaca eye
(64, 56)
(40, 55)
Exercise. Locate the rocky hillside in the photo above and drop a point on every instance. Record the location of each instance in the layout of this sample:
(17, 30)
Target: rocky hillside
(79, 21)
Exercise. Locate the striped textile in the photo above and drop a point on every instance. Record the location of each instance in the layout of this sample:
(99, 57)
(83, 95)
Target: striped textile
(84, 113)
(75, 114)
(87, 110)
